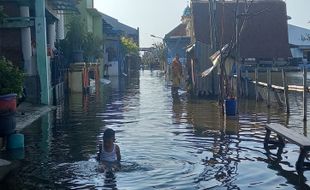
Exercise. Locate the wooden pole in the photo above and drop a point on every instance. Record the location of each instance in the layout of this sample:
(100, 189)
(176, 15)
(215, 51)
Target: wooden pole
(285, 86)
(222, 93)
(256, 84)
(246, 83)
(237, 54)
(268, 86)
(213, 37)
(305, 92)
(238, 80)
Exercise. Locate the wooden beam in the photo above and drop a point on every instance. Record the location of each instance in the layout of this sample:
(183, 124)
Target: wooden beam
(305, 91)
(269, 87)
(256, 84)
(17, 22)
(285, 91)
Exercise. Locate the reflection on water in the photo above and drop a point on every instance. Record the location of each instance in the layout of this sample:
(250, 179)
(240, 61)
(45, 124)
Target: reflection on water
(166, 143)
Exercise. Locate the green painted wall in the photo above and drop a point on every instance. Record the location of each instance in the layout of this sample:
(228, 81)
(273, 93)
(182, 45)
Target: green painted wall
(93, 21)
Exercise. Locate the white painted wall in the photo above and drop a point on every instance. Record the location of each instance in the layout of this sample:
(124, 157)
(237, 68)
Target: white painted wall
(114, 68)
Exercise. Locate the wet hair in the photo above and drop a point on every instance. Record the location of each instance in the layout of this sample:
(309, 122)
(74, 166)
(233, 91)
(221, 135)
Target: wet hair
(108, 134)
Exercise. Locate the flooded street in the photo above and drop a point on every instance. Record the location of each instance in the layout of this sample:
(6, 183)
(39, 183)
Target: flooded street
(165, 143)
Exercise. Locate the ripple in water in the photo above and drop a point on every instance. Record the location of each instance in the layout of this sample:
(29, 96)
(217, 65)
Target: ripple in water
(166, 143)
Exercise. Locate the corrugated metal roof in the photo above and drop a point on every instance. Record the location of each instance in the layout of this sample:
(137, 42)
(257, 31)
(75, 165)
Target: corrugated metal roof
(118, 25)
(265, 33)
(178, 31)
(65, 5)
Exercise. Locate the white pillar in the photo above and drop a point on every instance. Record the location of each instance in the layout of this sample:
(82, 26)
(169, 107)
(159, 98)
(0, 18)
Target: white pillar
(60, 26)
(26, 44)
(51, 35)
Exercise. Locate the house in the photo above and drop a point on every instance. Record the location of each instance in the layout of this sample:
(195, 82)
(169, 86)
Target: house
(113, 30)
(91, 20)
(28, 33)
(299, 40)
(263, 37)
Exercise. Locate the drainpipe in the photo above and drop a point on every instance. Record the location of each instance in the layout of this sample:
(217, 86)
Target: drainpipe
(43, 64)
(29, 68)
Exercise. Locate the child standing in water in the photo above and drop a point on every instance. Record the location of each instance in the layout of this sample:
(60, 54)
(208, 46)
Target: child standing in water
(109, 151)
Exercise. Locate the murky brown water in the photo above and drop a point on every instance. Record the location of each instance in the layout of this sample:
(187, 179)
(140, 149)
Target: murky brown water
(165, 143)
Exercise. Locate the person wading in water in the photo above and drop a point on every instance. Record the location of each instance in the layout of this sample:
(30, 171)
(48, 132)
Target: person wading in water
(176, 75)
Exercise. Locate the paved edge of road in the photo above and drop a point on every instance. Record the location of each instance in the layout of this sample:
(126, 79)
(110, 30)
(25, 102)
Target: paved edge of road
(28, 113)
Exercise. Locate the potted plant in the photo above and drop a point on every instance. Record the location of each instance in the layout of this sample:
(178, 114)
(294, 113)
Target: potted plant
(11, 83)
(92, 48)
(75, 39)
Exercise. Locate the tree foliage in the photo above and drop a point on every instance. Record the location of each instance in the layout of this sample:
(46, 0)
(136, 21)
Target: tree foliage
(11, 78)
(129, 46)
(76, 34)
(157, 55)
(92, 47)
(77, 39)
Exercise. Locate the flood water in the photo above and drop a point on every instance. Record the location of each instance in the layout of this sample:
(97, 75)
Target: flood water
(165, 143)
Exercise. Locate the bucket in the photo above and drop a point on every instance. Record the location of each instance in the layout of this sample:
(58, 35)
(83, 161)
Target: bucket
(16, 154)
(8, 103)
(15, 141)
(230, 107)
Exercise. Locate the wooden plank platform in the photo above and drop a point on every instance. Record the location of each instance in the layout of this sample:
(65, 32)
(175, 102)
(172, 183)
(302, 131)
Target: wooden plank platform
(293, 137)
(291, 88)
(290, 135)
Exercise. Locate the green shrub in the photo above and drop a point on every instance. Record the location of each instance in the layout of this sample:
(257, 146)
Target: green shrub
(11, 78)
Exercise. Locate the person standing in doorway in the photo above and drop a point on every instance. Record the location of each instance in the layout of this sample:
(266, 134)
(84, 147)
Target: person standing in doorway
(176, 74)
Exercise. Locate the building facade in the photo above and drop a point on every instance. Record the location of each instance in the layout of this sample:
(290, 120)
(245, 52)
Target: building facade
(261, 39)
(29, 31)
(115, 58)
(299, 40)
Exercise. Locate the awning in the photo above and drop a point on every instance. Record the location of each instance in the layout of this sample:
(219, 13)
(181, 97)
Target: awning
(190, 48)
(50, 16)
(94, 12)
(65, 5)
(216, 60)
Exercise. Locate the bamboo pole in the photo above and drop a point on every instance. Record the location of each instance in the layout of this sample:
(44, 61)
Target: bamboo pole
(285, 91)
(305, 90)
(268, 87)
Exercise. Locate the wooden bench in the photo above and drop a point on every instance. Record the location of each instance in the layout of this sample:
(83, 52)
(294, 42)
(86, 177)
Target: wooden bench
(291, 136)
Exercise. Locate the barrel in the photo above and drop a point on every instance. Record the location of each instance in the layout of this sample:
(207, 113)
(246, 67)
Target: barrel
(230, 107)
(7, 123)
(15, 141)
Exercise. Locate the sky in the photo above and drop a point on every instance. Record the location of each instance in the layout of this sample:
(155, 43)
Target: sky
(158, 17)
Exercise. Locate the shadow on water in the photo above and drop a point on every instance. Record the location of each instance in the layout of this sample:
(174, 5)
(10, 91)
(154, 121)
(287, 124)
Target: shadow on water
(167, 142)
